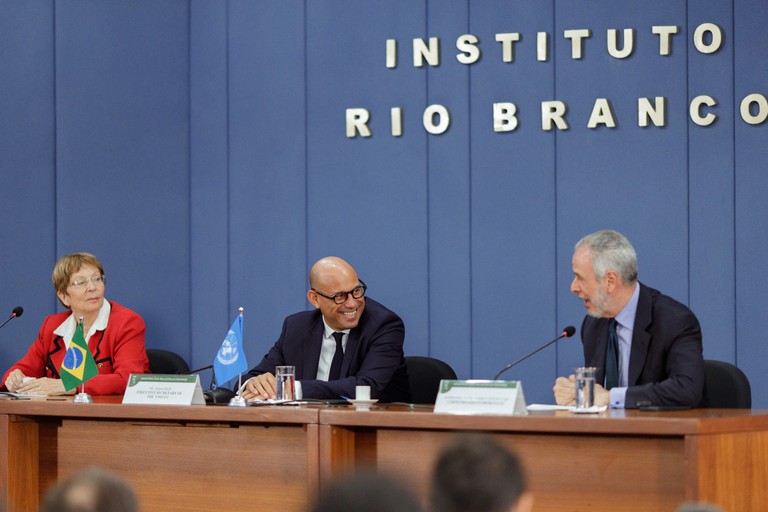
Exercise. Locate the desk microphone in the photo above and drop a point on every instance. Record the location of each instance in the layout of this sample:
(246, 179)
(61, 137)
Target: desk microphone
(17, 311)
(567, 333)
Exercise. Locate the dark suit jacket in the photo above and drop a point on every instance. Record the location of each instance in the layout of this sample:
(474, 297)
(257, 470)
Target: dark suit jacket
(373, 355)
(666, 365)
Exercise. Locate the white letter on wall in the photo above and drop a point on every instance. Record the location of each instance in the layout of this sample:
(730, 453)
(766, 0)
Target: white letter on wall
(646, 111)
(391, 53)
(553, 112)
(356, 121)
(762, 109)
(695, 110)
(665, 37)
(467, 44)
(421, 52)
(698, 38)
(629, 43)
(576, 37)
(541, 47)
(396, 117)
(444, 119)
(601, 114)
(504, 119)
(507, 45)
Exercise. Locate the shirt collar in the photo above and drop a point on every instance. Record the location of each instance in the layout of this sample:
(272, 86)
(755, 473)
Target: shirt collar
(67, 328)
(626, 317)
(329, 330)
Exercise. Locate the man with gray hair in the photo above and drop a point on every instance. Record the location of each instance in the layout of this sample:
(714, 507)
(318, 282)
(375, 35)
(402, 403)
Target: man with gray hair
(646, 346)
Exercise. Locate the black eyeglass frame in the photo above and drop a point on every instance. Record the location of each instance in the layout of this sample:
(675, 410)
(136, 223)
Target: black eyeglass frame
(341, 297)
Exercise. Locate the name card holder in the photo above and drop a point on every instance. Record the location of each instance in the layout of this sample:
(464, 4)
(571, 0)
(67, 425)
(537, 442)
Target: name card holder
(503, 397)
(159, 389)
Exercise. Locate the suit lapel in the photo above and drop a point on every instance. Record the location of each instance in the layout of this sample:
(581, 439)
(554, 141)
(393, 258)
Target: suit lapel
(641, 338)
(349, 351)
(312, 350)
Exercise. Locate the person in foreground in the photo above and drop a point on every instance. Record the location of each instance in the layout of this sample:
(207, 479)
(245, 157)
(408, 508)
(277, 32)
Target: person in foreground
(475, 473)
(370, 337)
(367, 491)
(646, 346)
(114, 334)
(91, 490)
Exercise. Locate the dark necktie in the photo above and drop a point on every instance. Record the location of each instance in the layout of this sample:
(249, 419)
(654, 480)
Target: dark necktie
(612, 357)
(335, 372)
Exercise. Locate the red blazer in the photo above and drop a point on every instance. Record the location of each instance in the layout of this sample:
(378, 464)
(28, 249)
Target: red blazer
(118, 351)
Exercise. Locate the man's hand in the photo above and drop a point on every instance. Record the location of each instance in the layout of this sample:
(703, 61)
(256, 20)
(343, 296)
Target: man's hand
(602, 396)
(261, 387)
(44, 386)
(565, 390)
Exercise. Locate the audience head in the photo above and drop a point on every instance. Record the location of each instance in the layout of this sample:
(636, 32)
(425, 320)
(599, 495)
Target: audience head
(91, 490)
(368, 491)
(475, 473)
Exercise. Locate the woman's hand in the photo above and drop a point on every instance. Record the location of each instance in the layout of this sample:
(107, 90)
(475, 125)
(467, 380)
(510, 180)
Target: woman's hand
(14, 381)
(44, 386)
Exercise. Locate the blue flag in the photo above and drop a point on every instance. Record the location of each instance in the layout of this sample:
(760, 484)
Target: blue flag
(230, 361)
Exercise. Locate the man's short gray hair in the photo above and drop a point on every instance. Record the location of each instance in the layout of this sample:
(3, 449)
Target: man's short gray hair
(611, 251)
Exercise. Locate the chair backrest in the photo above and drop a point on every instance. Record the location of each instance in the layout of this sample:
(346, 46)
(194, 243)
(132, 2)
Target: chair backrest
(424, 375)
(726, 386)
(165, 361)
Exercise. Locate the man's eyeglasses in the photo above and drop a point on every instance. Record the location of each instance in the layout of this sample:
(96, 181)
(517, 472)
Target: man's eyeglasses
(341, 297)
(96, 280)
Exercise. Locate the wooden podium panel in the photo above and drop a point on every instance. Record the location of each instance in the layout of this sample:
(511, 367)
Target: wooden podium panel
(176, 457)
(618, 460)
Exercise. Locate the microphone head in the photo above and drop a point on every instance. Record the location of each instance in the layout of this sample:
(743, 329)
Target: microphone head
(17, 311)
(569, 331)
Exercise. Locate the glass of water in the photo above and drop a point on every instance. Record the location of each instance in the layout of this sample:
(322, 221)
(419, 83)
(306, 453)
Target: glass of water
(585, 387)
(285, 377)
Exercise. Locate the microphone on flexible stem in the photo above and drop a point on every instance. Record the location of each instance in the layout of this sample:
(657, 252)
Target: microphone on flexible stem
(213, 395)
(567, 333)
(17, 311)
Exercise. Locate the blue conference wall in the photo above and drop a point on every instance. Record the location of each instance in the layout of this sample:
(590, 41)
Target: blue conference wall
(199, 149)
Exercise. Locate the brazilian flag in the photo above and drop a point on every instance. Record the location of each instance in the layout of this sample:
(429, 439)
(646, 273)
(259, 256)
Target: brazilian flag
(78, 365)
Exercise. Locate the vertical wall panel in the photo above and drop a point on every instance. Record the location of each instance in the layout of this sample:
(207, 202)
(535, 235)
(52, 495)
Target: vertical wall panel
(123, 153)
(448, 194)
(267, 166)
(27, 200)
(711, 171)
(212, 312)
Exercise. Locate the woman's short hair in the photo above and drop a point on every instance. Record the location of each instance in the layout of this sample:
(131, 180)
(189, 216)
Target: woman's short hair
(69, 265)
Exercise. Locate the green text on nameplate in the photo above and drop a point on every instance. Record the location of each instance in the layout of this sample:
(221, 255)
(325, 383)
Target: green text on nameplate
(503, 397)
(161, 389)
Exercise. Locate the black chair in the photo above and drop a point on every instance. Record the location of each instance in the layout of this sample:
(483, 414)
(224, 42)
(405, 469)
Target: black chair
(165, 361)
(726, 386)
(425, 374)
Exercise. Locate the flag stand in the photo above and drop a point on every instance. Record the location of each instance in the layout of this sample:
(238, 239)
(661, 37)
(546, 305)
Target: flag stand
(238, 400)
(82, 397)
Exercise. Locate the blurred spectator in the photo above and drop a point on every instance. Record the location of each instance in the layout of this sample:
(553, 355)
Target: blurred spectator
(366, 491)
(91, 490)
(475, 473)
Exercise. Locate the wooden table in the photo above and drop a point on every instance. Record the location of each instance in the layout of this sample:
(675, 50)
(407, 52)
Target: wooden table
(270, 458)
(617, 460)
(176, 457)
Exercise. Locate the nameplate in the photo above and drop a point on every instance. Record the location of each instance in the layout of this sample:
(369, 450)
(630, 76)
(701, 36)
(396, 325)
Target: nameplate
(159, 389)
(481, 397)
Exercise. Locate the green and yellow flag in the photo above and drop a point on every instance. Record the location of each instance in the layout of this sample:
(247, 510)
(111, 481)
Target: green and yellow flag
(78, 365)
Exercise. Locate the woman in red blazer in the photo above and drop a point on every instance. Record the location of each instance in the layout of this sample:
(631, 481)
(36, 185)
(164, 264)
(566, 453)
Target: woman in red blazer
(115, 335)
